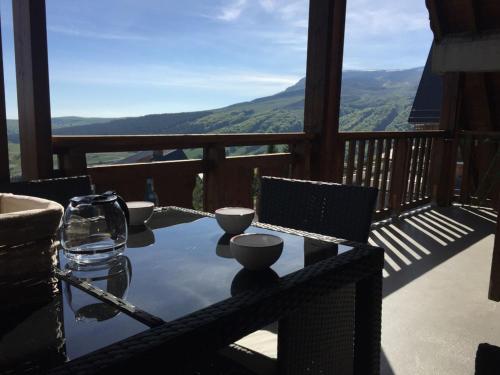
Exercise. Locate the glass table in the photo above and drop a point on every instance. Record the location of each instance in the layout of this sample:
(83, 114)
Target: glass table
(177, 290)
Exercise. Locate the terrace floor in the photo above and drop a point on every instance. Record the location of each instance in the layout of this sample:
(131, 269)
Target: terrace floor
(436, 276)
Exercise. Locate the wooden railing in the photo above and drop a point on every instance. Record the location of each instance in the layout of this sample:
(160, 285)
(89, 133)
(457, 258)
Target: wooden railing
(397, 163)
(479, 173)
(225, 180)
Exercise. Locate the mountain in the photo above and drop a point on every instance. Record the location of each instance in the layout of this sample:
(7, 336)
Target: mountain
(371, 100)
(57, 123)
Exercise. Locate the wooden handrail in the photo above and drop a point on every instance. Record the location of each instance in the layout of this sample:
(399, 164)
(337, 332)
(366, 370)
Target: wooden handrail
(116, 143)
(392, 135)
(480, 134)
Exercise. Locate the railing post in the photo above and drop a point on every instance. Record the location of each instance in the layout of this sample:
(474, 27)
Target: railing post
(73, 163)
(399, 176)
(301, 154)
(444, 155)
(213, 157)
(443, 165)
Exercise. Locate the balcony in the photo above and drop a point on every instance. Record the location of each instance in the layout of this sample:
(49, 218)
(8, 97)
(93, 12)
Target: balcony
(436, 208)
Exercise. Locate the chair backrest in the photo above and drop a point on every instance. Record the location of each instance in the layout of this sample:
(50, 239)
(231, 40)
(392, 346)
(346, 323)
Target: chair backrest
(60, 190)
(319, 207)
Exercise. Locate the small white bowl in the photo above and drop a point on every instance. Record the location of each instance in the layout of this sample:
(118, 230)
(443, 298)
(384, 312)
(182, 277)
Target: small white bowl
(256, 251)
(234, 220)
(140, 212)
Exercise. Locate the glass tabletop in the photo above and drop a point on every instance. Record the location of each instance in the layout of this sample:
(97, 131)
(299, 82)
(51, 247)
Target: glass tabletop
(182, 262)
(178, 264)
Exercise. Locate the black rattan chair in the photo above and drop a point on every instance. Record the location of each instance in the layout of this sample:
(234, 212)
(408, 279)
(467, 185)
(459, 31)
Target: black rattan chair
(325, 208)
(60, 190)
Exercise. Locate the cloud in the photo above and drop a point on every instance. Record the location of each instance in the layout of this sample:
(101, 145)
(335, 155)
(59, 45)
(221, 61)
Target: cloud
(94, 34)
(232, 11)
(165, 76)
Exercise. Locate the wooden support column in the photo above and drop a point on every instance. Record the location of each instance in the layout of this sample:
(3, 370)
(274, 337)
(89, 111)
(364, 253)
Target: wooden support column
(444, 154)
(494, 292)
(323, 85)
(32, 73)
(4, 149)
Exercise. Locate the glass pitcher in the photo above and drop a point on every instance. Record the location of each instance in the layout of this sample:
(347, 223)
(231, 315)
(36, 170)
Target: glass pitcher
(94, 228)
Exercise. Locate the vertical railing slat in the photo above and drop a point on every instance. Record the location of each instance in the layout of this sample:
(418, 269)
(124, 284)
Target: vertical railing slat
(427, 163)
(369, 162)
(350, 162)
(360, 162)
(420, 168)
(413, 153)
(385, 174)
(378, 162)
(465, 184)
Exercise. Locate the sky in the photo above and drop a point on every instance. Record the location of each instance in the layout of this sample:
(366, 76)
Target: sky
(116, 58)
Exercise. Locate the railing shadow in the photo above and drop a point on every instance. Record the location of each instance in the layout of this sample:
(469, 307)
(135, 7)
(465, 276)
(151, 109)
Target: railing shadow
(418, 241)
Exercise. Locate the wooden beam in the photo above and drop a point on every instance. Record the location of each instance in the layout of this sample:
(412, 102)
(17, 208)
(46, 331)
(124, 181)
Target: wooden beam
(435, 19)
(30, 39)
(467, 54)
(323, 85)
(115, 143)
(4, 149)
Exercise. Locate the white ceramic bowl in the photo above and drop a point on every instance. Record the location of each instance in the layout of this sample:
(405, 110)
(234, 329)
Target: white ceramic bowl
(256, 251)
(140, 212)
(234, 220)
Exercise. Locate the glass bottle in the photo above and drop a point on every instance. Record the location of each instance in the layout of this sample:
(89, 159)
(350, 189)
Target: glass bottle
(151, 195)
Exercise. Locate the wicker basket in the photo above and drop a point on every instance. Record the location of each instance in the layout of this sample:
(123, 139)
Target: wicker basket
(25, 219)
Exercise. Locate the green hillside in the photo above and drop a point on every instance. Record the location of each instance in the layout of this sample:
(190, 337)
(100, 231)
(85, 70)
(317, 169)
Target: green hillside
(371, 101)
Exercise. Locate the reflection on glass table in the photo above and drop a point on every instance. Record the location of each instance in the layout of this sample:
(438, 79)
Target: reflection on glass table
(113, 277)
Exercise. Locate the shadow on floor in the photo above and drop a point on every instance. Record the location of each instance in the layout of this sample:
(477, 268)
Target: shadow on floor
(417, 242)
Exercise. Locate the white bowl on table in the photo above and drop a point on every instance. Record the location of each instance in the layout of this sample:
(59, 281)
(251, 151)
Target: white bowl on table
(256, 251)
(140, 212)
(234, 220)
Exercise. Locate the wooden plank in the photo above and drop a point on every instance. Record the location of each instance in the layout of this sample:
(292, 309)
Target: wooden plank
(350, 162)
(117, 143)
(385, 175)
(360, 162)
(369, 162)
(494, 291)
(420, 168)
(4, 149)
(378, 163)
(392, 135)
(323, 86)
(33, 98)
(413, 152)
